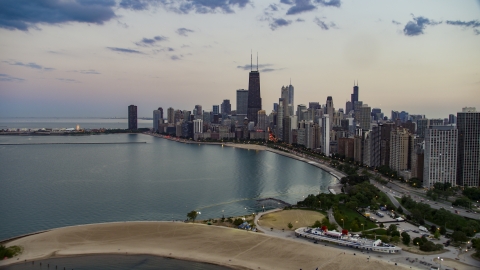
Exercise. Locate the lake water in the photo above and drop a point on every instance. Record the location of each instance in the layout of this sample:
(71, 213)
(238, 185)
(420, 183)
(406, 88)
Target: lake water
(56, 185)
(87, 123)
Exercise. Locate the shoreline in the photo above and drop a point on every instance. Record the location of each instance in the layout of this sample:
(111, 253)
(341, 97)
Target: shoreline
(335, 173)
(234, 248)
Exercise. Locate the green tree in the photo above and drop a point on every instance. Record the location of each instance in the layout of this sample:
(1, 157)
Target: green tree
(395, 239)
(405, 238)
(436, 234)
(317, 224)
(290, 226)
(459, 236)
(417, 241)
(192, 215)
(443, 230)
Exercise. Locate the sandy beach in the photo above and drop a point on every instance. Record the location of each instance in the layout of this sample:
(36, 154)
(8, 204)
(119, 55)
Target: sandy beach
(196, 242)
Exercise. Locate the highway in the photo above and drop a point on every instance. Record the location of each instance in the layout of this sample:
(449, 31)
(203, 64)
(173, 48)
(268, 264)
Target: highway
(399, 190)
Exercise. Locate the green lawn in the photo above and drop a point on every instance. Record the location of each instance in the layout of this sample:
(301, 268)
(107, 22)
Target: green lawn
(352, 219)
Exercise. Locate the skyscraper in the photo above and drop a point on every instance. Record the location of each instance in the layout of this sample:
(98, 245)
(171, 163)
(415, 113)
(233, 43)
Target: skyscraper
(242, 101)
(325, 129)
(354, 96)
(468, 159)
(226, 107)
(440, 160)
(170, 115)
(330, 110)
(157, 116)
(254, 99)
(216, 109)
(132, 117)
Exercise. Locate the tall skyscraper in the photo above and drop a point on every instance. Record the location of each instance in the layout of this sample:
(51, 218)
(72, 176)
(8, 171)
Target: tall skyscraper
(216, 109)
(468, 159)
(242, 101)
(157, 116)
(198, 110)
(171, 115)
(325, 130)
(254, 98)
(132, 117)
(262, 120)
(226, 107)
(362, 115)
(440, 156)
(330, 110)
(400, 149)
(354, 96)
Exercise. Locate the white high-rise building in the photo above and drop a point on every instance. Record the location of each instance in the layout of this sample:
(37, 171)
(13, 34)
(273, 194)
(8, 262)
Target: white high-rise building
(325, 127)
(197, 126)
(440, 160)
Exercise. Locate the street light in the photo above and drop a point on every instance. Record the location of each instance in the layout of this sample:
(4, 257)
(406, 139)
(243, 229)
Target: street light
(440, 260)
(343, 222)
(363, 227)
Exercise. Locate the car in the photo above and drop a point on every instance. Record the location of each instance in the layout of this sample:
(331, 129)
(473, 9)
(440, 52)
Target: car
(467, 211)
(415, 231)
(436, 203)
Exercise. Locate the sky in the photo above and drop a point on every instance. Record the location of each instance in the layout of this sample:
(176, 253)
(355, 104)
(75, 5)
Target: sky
(89, 58)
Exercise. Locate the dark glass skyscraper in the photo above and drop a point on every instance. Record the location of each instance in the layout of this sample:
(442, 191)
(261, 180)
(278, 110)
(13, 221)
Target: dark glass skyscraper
(132, 117)
(254, 99)
(354, 96)
(468, 157)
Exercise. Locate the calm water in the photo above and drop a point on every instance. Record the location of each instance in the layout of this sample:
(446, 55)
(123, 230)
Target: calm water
(114, 262)
(49, 186)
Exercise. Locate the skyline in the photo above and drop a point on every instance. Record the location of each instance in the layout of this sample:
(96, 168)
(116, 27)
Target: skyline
(86, 59)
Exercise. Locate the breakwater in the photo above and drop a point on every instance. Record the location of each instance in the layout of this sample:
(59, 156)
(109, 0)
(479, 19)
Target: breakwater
(71, 143)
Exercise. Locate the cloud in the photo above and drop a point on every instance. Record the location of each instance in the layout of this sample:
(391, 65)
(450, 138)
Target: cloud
(395, 22)
(187, 6)
(300, 6)
(151, 41)
(123, 50)
(261, 66)
(416, 27)
(68, 80)
(25, 14)
(184, 31)
(88, 71)
(29, 65)
(323, 24)
(279, 23)
(175, 57)
(331, 3)
(8, 78)
(472, 24)
(288, 2)
(134, 4)
(469, 24)
(299, 20)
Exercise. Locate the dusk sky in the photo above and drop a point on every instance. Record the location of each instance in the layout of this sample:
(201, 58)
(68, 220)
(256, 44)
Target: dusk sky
(89, 58)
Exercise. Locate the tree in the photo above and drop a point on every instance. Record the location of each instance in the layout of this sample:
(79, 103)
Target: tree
(317, 224)
(400, 209)
(290, 226)
(395, 239)
(406, 238)
(192, 215)
(437, 234)
(417, 241)
(459, 236)
(443, 230)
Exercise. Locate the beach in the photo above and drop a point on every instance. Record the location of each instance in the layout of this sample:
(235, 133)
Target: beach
(233, 248)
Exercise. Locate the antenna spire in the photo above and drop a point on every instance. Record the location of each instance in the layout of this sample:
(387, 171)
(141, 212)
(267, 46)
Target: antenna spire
(257, 61)
(251, 61)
